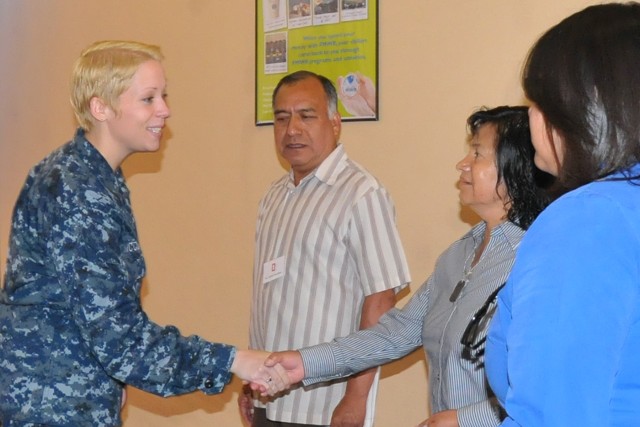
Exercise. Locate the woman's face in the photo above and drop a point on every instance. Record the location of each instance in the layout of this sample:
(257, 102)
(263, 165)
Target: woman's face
(479, 177)
(549, 152)
(141, 112)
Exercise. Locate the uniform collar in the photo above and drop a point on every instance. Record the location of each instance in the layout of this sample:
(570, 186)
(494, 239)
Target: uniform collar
(89, 156)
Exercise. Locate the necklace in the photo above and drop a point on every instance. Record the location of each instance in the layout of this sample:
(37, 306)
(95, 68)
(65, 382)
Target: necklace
(460, 286)
(468, 269)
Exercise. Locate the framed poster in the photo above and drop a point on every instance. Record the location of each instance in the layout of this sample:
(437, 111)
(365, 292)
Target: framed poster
(335, 38)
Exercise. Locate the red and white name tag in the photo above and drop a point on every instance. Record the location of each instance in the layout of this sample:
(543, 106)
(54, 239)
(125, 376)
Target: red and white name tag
(273, 269)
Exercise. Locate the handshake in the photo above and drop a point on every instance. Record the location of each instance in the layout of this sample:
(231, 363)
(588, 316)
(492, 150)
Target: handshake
(268, 373)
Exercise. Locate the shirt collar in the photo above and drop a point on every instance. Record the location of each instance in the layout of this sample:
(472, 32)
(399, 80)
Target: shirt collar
(89, 155)
(510, 232)
(328, 170)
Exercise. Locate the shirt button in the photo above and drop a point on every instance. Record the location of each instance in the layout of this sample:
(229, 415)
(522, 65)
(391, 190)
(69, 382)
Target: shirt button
(208, 384)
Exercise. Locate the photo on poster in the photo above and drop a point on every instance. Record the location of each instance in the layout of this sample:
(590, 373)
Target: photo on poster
(275, 48)
(300, 13)
(274, 14)
(354, 10)
(325, 12)
(357, 93)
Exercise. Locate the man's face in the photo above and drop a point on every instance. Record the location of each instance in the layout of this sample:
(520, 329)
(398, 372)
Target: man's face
(305, 135)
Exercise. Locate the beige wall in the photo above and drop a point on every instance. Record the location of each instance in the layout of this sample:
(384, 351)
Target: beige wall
(195, 201)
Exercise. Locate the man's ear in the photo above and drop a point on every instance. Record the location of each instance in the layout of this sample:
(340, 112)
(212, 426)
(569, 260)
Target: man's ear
(336, 124)
(99, 109)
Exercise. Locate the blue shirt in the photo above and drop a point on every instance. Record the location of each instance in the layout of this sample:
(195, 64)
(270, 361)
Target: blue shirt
(72, 330)
(564, 346)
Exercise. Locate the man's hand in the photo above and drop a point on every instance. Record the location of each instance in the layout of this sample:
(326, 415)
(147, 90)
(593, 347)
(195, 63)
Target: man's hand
(245, 404)
(349, 412)
(352, 409)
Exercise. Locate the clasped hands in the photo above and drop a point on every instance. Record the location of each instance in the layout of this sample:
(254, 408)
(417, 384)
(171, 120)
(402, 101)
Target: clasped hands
(268, 373)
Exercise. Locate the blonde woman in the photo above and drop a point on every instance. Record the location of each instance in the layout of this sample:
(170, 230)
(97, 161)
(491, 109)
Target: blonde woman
(72, 331)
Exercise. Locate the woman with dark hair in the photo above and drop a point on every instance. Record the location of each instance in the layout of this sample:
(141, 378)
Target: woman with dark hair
(449, 314)
(564, 347)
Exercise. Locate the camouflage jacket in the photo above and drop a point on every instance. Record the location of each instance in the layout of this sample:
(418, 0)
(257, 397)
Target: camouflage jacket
(72, 330)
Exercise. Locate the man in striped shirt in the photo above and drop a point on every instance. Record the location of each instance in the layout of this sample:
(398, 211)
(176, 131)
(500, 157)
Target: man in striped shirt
(328, 257)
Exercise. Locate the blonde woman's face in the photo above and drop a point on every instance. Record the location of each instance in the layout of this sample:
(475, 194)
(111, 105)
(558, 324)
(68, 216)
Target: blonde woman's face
(137, 122)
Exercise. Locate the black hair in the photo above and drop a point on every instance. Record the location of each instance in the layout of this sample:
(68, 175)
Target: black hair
(525, 183)
(327, 85)
(583, 75)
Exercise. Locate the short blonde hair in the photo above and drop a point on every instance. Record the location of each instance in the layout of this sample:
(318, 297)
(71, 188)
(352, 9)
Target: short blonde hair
(104, 70)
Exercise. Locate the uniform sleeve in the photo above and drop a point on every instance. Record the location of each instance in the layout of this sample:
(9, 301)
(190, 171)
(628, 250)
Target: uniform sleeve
(375, 245)
(101, 282)
(398, 332)
(573, 298)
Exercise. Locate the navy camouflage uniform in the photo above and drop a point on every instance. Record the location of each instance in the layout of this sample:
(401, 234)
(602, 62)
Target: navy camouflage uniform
(72, 330)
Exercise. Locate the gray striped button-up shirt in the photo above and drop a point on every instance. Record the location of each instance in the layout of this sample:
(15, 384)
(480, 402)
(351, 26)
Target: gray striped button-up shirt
(430, 319)
(327, 244)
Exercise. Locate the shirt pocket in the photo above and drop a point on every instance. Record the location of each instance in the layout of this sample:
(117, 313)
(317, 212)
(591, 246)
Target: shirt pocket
(132, 261)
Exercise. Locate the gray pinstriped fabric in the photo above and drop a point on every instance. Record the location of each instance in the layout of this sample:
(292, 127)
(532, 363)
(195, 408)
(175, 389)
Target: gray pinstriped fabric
(72, 330)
